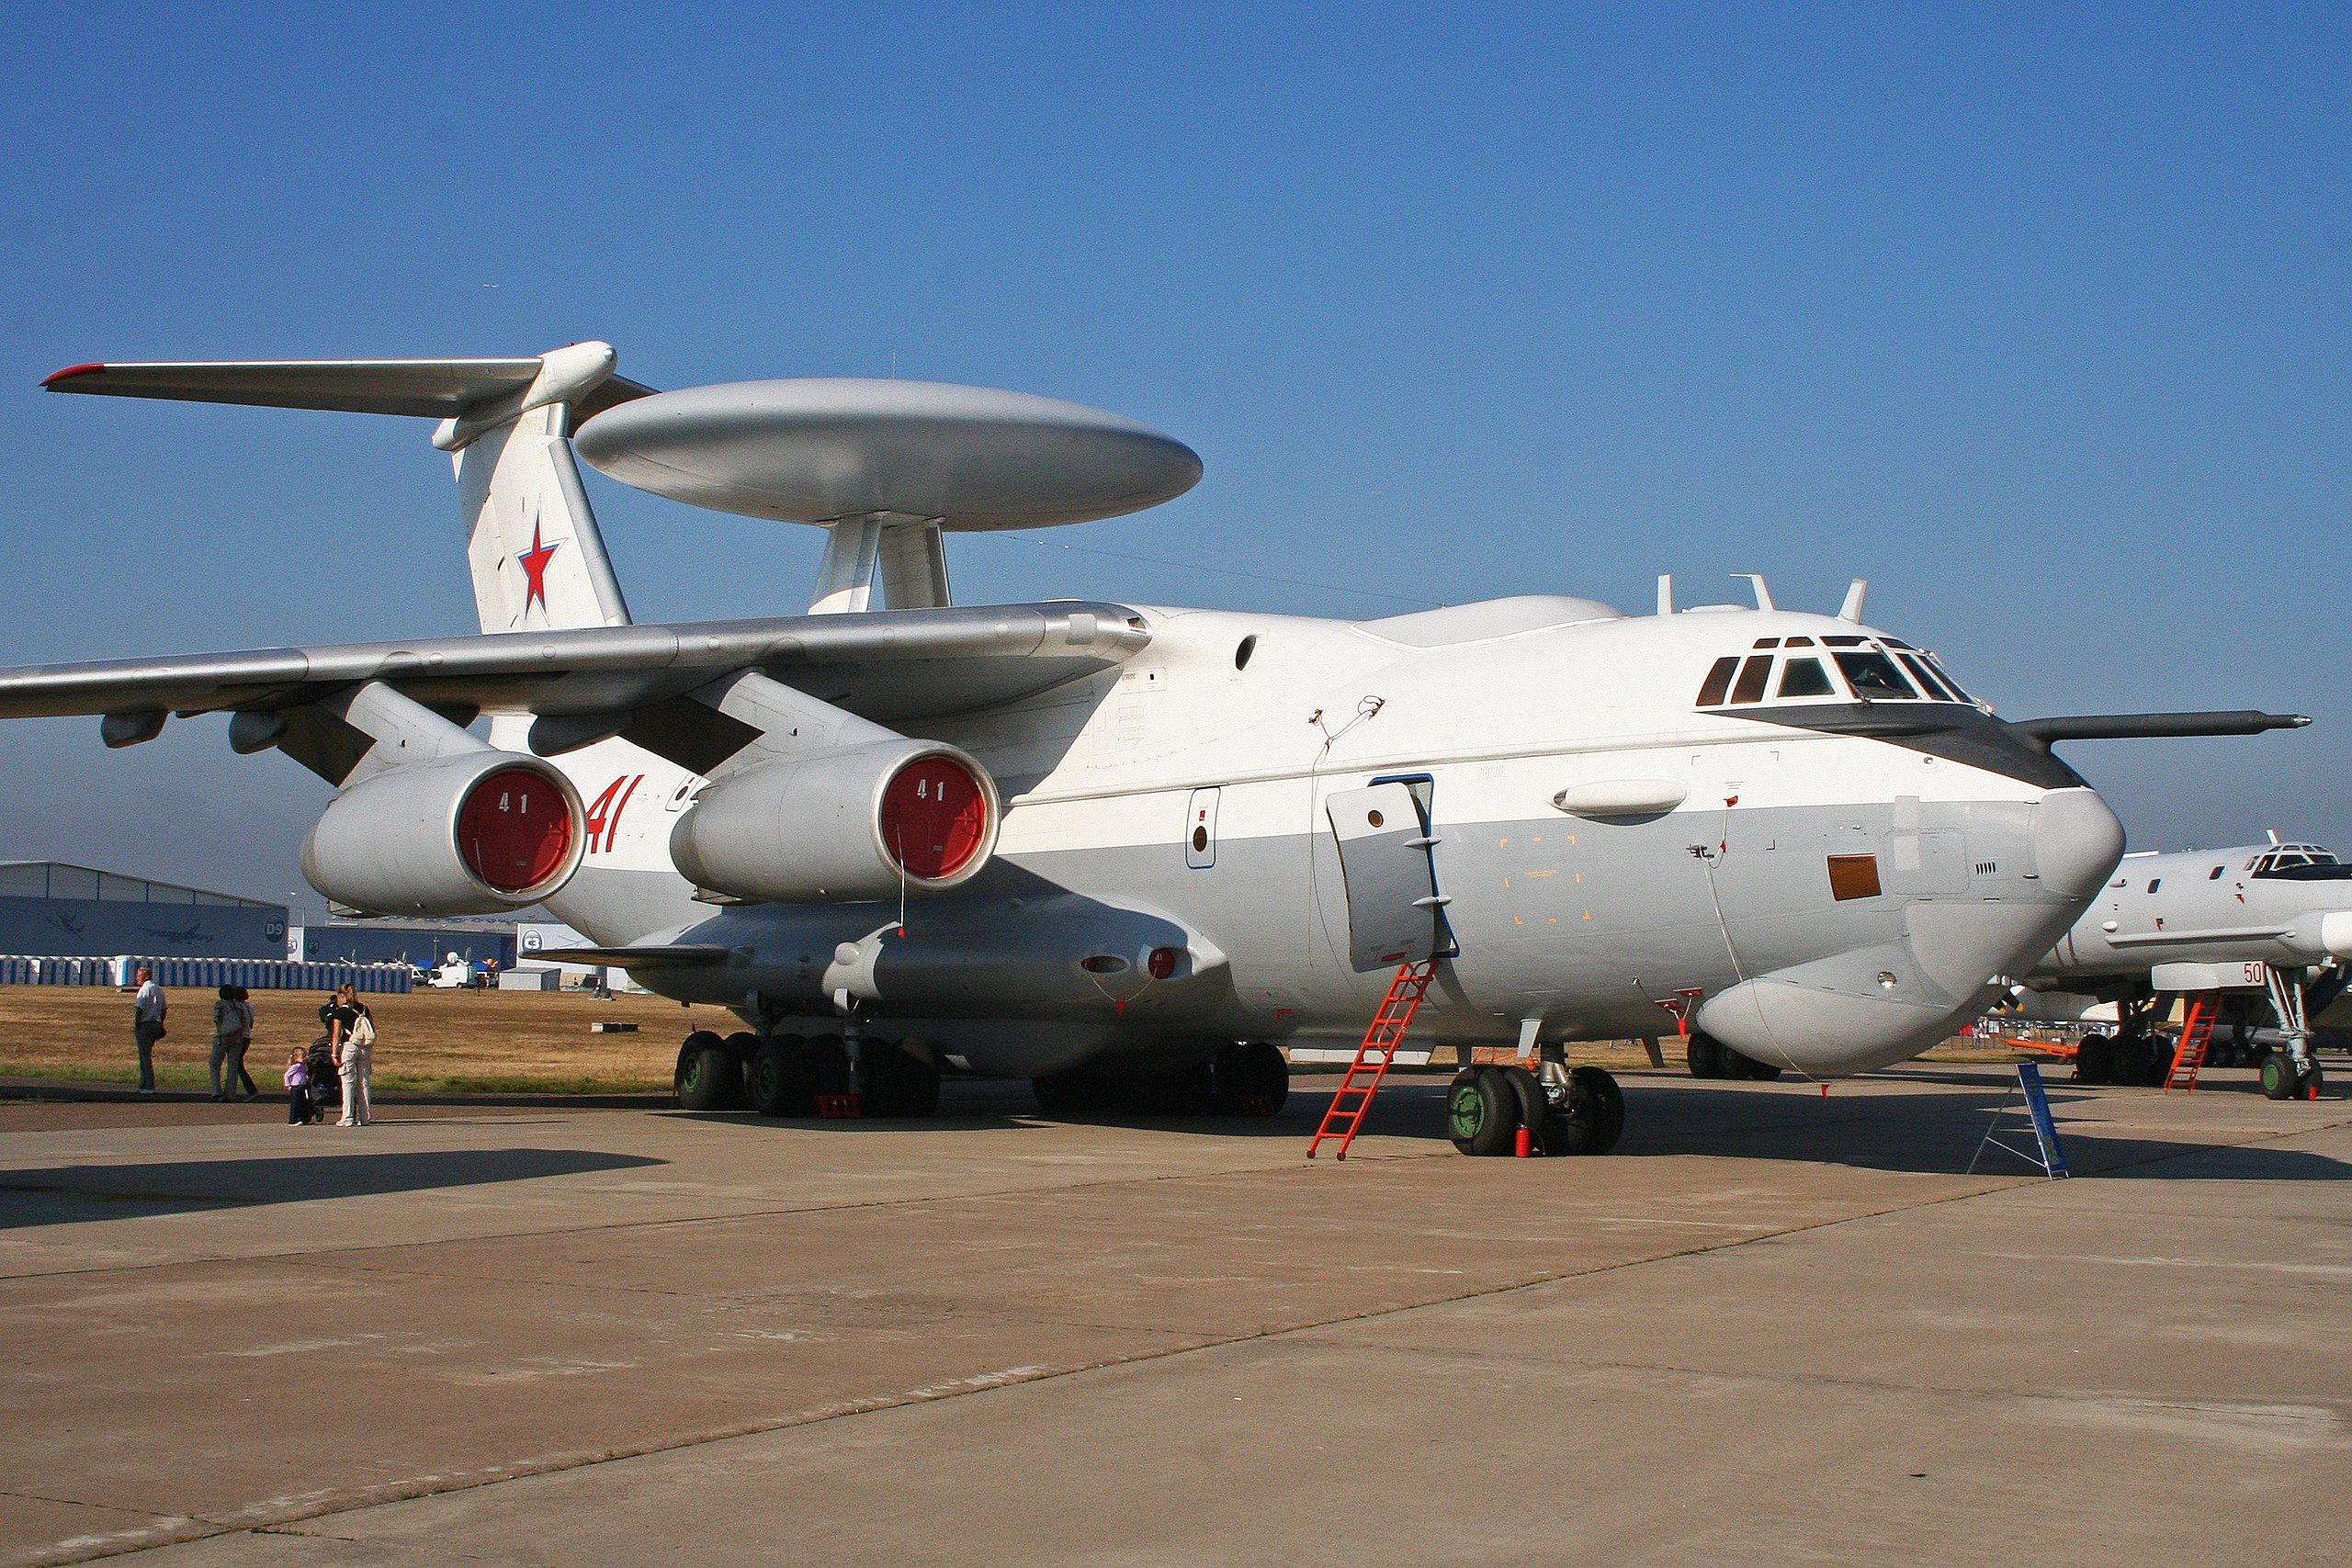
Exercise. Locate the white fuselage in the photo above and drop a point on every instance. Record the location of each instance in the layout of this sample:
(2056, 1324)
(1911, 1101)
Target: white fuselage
(1718, 890)
(2287, 905)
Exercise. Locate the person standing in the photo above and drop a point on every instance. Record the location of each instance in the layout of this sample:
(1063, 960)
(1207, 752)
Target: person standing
(232, 1031)
(148, 1011)
(300, 1112)
(351, 1031)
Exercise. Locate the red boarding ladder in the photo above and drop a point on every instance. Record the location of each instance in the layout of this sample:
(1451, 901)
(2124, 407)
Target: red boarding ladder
(2196, 1033)
(1353, 1101)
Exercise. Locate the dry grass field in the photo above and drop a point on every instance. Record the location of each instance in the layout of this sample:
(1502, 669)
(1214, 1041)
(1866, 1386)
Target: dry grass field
(461, 1041)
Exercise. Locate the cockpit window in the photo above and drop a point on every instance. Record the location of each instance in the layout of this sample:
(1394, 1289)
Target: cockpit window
(2301, 863)
(1752, 676)
(1718, 682)
(1805, 678)
(1873, 675)
(1945, 676)
(1935, 689)
(2214, 874)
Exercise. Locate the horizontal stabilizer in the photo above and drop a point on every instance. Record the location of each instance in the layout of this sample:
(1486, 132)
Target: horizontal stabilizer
(691, 954)
(426, 389)
(2043, 732)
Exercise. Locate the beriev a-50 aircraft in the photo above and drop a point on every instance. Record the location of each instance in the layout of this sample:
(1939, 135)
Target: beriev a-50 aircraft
(2269, 926)
(1120, 849)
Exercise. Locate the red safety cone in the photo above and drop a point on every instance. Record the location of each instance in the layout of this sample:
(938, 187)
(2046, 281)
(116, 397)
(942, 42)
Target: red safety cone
(1522, 1143)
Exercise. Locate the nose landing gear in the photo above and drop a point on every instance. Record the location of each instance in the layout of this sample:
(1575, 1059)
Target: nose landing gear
(2288, 1077)
(1566, 1111)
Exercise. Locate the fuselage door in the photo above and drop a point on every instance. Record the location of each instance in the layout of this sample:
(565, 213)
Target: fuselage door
(1394, 911)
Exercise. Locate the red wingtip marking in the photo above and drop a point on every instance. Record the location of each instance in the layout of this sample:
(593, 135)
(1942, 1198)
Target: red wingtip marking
(69, 372)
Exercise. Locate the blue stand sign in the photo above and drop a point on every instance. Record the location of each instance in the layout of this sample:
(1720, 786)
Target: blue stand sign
(2051, 1157)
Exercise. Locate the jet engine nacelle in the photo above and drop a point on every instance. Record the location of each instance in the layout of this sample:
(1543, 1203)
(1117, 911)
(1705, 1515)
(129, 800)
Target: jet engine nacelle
(475, 833)
(864, 823)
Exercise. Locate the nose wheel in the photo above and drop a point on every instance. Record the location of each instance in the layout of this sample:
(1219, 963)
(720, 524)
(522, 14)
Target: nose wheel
(2287, 1077)
(1566, 1111)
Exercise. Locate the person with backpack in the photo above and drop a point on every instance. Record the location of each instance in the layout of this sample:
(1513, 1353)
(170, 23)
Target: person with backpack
(351, 1035)
(232, 1031)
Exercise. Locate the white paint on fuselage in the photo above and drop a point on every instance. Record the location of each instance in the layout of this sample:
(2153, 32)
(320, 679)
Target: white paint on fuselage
(2203, 906)
(1502, 722)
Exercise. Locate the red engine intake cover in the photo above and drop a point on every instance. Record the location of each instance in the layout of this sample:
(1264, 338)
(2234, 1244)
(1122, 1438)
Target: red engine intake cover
(934, 818)
(515, 829)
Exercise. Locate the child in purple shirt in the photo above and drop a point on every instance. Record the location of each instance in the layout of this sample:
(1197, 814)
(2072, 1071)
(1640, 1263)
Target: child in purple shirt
(297, 1090)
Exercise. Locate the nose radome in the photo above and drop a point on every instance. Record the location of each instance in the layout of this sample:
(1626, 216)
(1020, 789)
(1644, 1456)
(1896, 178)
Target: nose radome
(2077, 841)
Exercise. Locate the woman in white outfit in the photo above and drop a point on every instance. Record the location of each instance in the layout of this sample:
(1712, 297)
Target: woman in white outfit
(351, 1035)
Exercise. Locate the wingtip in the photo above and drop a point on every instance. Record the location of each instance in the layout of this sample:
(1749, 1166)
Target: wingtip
(71, 371)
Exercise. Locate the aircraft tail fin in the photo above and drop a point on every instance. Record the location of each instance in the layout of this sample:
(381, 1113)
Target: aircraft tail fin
(537, 559)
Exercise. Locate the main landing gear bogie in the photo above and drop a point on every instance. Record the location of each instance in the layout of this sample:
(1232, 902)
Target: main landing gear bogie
(783, 1075)
(1581, 1112)
(1245, 1078)
(1710, 1058)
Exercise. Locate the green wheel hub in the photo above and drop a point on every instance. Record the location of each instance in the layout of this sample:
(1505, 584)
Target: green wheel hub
(1466, 1111)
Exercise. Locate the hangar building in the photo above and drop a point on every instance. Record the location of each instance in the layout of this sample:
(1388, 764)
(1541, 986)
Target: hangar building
(48, 909)
(416, 942)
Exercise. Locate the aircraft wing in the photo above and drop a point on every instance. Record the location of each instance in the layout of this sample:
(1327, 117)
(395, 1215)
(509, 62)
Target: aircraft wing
(886, 665)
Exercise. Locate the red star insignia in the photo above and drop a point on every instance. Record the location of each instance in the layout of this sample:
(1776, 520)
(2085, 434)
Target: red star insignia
(535, 570)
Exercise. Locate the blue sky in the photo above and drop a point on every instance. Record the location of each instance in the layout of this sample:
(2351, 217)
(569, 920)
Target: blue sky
(2034, 316)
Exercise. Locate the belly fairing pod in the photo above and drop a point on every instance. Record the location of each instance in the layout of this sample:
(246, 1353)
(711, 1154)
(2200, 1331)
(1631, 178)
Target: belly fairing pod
(1876, 1005)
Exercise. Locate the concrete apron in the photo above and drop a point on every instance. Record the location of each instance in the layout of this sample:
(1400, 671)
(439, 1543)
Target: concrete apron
(1771, 1327)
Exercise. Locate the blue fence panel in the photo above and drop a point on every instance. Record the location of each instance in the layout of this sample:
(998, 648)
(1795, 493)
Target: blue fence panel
(255, 974)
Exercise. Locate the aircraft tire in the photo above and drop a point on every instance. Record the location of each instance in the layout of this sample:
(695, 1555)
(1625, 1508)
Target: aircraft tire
(1534, 1106)
(1187, 1092)
(1704, 1055)
(829, 1066)
(896, 1083)
(780, 1080)
(1252, 1079)
(2279, 1079)
(1594, 1118)
(1070, 1094)
(2093, 1058)
(709, 1077)
(1740, 1065)
(1481, 1112)
(2127, 1061)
